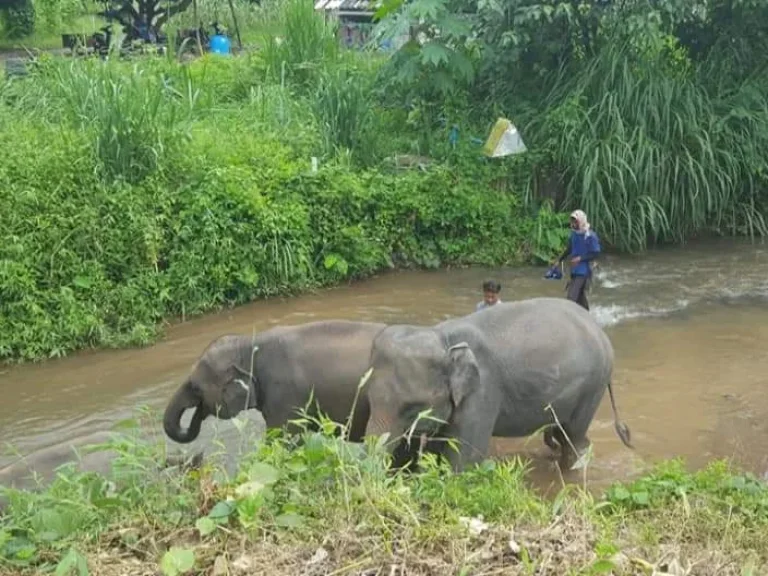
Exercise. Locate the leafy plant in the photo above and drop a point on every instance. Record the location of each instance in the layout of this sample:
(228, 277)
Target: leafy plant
(293, 490)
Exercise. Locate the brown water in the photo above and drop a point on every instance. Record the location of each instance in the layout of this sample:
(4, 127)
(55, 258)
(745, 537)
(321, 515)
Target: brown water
(689, 328)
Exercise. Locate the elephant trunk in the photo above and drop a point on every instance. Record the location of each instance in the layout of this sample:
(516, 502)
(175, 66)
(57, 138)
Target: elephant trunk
(184, 399)
(378, 426)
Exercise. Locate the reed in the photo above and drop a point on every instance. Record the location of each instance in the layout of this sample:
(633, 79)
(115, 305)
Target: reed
(654, 156)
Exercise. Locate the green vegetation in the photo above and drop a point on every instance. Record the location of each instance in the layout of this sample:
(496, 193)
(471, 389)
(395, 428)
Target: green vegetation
(137, 191)
(651, 117)
(52, 18)
(324, 506)
(134, 192)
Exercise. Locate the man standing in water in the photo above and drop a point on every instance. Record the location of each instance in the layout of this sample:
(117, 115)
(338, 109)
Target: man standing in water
(583, 247)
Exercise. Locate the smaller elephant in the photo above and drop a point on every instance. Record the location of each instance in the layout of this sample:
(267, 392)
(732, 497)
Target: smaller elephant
(319, 361)
(493, 373)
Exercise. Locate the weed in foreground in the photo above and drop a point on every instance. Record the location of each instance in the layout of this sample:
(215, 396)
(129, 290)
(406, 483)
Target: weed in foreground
(316, 504)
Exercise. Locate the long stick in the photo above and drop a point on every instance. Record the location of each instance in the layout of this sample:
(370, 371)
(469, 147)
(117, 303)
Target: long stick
(197, 28)
(237, 28)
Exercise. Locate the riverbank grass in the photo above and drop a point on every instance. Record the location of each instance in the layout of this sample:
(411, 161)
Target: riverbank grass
(318, 505)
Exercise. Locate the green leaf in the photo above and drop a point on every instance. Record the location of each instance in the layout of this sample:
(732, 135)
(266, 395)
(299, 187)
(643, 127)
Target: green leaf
(297, 466)
(263, 473)
(641, 498)
(387, 7)
(126, 424)
(336, 262)
(49, 536)
(249, 489)
(427, 9)
(105, 503)
(620, 493)
(82, 282)
(222, 510)
(205, 526)
(177, 561)
(602, 567)
(290, 520)
(73, 562)
(434, 53)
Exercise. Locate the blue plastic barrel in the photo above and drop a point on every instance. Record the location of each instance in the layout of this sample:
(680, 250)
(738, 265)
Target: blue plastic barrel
(219, 44)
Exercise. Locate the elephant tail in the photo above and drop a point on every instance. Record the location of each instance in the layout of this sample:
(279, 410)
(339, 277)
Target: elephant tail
(621, 428)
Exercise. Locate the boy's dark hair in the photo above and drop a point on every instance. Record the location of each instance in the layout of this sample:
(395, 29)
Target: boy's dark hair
(491, 286)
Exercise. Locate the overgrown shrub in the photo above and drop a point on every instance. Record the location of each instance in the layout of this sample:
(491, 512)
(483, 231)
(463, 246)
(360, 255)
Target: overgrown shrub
(227, 217)
(135, 192)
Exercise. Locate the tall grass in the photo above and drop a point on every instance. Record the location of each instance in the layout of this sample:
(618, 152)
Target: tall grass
(306, 46)
(652, 155)
(342, 108)
(131, 116)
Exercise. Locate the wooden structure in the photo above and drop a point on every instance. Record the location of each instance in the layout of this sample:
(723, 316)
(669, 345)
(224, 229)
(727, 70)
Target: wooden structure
(355, 19)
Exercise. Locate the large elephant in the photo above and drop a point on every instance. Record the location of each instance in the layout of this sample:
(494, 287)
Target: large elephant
(319, 361)
(493, 373)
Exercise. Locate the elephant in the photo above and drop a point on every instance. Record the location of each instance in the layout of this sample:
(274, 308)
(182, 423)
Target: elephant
(321, 361)
(492, 373)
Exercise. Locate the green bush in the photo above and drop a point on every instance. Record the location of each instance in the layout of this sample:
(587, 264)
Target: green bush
(86, 261)
(132, 193)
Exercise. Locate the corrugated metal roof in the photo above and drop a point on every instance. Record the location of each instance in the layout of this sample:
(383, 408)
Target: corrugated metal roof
(348, 5)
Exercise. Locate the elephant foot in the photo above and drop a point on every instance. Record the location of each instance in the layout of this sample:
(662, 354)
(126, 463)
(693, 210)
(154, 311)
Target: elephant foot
(575, 460)
(554, 439)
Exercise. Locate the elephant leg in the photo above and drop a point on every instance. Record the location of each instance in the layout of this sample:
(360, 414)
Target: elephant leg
(406, 454)
(568, 457)
(554, 439)
(576, 430)
(281, 410)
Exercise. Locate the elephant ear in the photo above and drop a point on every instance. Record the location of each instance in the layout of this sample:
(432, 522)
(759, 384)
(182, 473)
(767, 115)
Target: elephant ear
(463, 372)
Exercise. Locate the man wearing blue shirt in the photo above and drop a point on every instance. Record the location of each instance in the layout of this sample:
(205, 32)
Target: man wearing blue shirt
(583, 247)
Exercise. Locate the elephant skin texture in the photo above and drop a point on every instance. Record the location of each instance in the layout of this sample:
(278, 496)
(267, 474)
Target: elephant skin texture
(493, 373)
(277, 372)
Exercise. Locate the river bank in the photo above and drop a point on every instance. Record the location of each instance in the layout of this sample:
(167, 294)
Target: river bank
(688, 326)
(327, 507)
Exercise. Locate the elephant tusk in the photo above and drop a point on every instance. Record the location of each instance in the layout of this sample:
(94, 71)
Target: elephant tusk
(243, 384)
(458, 346)
(247, 392)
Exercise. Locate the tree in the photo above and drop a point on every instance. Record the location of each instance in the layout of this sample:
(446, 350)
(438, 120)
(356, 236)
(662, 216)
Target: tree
(144, 19)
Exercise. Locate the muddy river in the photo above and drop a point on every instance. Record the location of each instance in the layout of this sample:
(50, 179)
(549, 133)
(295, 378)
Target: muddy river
(689, 326)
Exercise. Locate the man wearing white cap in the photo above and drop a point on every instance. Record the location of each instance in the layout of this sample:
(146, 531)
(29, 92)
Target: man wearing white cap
(583, 247)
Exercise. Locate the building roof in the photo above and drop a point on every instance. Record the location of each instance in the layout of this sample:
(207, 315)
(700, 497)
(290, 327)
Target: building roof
(348, 5)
